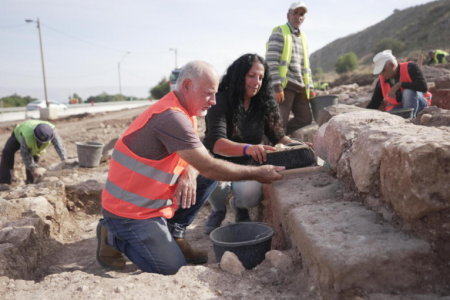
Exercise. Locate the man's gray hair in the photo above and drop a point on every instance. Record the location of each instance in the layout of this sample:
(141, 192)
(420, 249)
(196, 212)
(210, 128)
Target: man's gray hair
(192, 70)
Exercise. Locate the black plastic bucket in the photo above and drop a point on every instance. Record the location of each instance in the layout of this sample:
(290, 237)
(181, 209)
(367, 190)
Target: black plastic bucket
(320, 102)
(405, 113)
(249, 241)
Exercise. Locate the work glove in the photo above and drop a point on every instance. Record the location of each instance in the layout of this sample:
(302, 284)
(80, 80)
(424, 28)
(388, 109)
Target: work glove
(279, 96)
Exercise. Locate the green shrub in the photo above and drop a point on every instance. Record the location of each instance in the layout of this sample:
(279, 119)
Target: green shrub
(346, 63)
(16, 100)
(161, 89)
(316, 73)
(389, 44)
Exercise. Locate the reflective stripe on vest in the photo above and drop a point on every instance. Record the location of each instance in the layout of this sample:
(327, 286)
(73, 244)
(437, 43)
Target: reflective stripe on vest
(141, 188)
(144, 169)
(404, 77)
(134, 199)
(287, 55)
(437, 52)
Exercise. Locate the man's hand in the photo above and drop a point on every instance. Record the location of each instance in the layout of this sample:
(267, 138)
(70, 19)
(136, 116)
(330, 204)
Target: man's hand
(394, 90)
(186, 190)
(268, 173)
(279, 96)
(38, 172)
(258, 152)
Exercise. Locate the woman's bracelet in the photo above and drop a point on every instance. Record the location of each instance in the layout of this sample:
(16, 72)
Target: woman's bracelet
(245, 148)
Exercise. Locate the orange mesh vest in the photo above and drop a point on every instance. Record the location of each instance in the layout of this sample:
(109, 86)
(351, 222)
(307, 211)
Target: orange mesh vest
(141, 188)
(404, 77)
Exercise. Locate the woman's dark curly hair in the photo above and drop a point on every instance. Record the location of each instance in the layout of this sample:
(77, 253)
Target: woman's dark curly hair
(233, 84)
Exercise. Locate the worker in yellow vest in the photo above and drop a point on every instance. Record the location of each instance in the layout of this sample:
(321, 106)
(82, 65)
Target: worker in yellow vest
(288, 60)
(437, 57)
(31, 138)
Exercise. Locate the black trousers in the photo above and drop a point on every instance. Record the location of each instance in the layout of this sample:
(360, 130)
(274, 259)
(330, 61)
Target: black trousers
(7, 163)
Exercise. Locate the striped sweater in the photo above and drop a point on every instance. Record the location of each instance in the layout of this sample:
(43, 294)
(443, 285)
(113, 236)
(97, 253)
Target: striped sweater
(273, 58)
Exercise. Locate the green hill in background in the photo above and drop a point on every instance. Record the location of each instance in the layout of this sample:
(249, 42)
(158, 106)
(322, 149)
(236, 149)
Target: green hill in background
(418, 28)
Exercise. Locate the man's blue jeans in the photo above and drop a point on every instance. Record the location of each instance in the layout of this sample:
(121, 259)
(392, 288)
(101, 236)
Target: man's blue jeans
(150, 243)
(413, 99)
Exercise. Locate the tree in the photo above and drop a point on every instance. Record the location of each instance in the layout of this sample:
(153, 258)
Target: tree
(346, 63)
(316, 73)
(16, 100)
(161, 89)
(75, 97)
(104, 97)
(389, 44)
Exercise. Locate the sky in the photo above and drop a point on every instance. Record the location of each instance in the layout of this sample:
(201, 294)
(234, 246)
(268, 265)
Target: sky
(84, 40)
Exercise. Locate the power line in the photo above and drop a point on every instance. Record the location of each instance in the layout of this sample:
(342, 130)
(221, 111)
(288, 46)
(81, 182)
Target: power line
(137, 76)
(67, 77)
(84, 41)
(97, 45)
(13, 26)
(20, 75)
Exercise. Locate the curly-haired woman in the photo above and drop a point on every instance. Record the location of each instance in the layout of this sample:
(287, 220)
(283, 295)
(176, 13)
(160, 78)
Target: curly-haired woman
(246, 110)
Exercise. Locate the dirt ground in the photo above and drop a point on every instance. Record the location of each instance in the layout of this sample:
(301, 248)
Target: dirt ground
(70, 271)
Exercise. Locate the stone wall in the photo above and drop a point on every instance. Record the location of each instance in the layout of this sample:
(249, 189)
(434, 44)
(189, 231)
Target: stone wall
(408, 164)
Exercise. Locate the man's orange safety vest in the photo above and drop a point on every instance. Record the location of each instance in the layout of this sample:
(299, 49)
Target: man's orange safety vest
(141, 188)
(404, 77)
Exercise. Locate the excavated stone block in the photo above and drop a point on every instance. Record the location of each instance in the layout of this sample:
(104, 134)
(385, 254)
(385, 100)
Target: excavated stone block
(280, 261)
(415, 171)
(331, 142)
(436, 117)
(441, 98)
(293, 191)
(345, 246)
(306, 133)
(9, 211)
(12, 263)
(328, 112)
(231, 263)
(38, 205)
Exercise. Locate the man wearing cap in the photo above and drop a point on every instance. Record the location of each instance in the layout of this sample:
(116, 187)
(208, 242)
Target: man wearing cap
(400, 85)
(288, 60)
(32, 138)
(437, 56)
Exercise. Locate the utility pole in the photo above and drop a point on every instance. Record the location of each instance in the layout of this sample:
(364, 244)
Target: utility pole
(120, 83)
(42, 58)
(175, 49)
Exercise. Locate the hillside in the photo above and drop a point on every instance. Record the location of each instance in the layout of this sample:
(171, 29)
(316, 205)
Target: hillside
(420, 27)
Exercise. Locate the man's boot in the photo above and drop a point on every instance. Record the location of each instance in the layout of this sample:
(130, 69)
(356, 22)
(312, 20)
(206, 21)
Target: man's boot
(192, 256)
(107, 256)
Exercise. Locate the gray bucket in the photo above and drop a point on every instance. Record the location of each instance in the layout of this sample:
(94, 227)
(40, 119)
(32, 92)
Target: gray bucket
(320, 102)
(89, 154)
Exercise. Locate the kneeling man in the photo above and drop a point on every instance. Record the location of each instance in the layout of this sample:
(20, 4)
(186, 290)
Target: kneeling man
(400, 85)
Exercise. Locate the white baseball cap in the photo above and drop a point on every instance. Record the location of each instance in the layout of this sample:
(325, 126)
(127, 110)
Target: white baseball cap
(380, 60)
(298, 4)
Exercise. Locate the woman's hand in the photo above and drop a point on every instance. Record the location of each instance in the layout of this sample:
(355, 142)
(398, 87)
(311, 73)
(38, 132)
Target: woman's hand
(258, 152)
(186, 191)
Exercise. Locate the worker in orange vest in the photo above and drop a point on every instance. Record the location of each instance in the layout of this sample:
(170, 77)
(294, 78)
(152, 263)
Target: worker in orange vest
(400, 85)
(159, 177)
